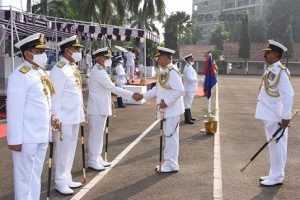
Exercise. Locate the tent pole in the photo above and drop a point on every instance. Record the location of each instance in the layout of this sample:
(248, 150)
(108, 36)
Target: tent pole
(56, 51)
(145, 53)
(12, 40)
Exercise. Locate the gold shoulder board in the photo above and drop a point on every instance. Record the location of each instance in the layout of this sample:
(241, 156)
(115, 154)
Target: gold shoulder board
(25, 69)
(61, 64)
(282, 66)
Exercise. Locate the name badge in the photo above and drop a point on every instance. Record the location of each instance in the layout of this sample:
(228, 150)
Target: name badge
(271, 76)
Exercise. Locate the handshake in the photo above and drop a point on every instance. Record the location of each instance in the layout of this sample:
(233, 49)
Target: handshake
(137, 96)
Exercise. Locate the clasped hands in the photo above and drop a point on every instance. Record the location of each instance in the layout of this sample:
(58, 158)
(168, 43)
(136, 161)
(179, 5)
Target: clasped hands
(137, 97)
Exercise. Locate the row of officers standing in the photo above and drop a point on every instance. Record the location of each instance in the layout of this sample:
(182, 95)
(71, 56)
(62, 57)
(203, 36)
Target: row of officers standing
(39, 105)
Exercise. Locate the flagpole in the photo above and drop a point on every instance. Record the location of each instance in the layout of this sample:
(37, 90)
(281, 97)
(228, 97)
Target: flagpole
(209, 105)
(209, 100)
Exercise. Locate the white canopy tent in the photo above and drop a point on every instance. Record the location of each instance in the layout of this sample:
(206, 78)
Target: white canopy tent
(20, 24)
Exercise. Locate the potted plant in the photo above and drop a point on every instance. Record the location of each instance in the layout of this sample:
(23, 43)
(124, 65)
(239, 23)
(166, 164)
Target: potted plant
(210, 123)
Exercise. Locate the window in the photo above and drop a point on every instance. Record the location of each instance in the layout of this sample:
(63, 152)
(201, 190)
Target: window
(204, 3)
(195, 7)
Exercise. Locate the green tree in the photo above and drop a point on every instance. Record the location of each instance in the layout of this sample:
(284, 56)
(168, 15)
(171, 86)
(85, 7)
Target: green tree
(233, 28)
(143, 13)
(289, 43)
(171, 33)
(278, 16)
(218, 36)
(244, 44)
(257, 30)
(55, 8)
(194, 37)
(101, 11)
(176, 26)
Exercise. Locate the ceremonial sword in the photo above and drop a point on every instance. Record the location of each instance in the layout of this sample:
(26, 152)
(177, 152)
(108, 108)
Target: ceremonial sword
(281, 128)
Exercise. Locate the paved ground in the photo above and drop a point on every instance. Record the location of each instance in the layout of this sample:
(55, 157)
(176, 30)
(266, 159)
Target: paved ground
(133, 177)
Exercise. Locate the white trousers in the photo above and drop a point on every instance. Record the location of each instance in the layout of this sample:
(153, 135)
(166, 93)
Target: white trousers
(188, 99)
(96, 126)
(65, 153)
(171, 150)
(28, 167)
(130, 71)
(277, 151)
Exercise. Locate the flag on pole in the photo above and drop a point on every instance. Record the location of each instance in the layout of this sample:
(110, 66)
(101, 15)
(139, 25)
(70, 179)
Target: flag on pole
(210, 76)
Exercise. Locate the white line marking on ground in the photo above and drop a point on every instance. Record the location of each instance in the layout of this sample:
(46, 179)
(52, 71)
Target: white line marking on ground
(217, 188)
(97, 178)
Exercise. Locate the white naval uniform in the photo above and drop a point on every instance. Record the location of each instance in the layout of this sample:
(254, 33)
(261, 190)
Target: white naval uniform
(273, 106)
(88, 65)
(28, 119)
(130, 65)
(121, 77)
(173, 97)
(190, 82)
(99, 107)
(67, 105)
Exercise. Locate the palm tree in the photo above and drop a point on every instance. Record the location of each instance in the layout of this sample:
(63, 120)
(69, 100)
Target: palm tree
(143, 13)
(101, 11)
(55, 8)
(184, 26)
(176, 26)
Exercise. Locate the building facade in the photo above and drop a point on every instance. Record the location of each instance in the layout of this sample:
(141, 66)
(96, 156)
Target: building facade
(209, 13)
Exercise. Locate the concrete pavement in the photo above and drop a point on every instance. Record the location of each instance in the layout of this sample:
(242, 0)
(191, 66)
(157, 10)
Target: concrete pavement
(133, 177)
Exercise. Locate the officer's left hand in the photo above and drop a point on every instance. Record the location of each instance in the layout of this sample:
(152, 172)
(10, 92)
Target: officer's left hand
(16, 148)
(285, 122)
(55, 123)
(162, 104)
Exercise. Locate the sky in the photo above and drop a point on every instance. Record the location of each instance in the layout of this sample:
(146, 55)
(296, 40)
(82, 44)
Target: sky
(173, 6)
(179, 5)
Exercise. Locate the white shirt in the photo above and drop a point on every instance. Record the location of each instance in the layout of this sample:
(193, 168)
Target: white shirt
(173, 97)
(130, 57)
(100, 88)
(28, 107)
(275, 108)
(121, 75)
(190, 79)
(67, 102)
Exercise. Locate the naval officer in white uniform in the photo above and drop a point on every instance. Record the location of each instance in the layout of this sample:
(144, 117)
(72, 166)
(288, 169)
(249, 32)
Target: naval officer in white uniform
(67, 104)
(28, 117)
(169, 93)
(190, 82)
(121, 78)
(274, 106)
(99, 106)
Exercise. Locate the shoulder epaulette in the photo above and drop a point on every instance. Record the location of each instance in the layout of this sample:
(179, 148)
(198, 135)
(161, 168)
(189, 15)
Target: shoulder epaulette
(61, 64)
(25, 69)
(282, 66)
